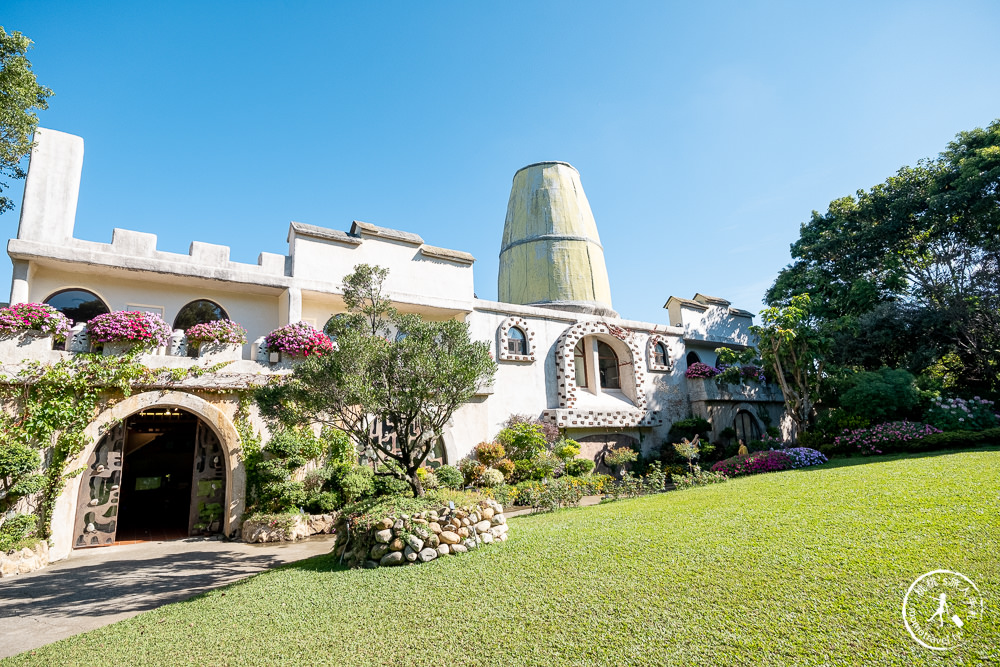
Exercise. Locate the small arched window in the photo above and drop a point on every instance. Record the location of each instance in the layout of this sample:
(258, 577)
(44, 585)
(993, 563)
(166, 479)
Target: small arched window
(79, 305)
(693, 358)
(516, 342)
(607, 366)
(660, 354)
(580, 364)
(199, 312)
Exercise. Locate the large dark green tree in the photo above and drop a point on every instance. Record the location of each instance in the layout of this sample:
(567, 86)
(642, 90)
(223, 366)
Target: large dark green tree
(397, 375)
(911, 267)
(20, 97)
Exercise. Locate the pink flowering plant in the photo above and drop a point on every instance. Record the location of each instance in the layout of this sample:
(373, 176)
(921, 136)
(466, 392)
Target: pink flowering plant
(129, 326)
(225, 332)
(298, 339)
(700, 370)
(770, 460)
(874, 439)
(958, 414)
(33, 317)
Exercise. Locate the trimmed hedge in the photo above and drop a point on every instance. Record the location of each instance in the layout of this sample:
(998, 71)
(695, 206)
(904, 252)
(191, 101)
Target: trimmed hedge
(929, 443)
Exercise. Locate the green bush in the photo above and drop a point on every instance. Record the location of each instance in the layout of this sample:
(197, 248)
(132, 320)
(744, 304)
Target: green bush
(524, 470)
(449, 477)
(18, 463)
(355, 483)
(522, 440)
(339, 446)
(387, 485)
(880, 396)
(579, 467)
(323, 502)
(16, 530)
(566, 449)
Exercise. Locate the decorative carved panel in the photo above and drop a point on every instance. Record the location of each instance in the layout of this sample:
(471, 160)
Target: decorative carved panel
(208, 483)
(97, 512)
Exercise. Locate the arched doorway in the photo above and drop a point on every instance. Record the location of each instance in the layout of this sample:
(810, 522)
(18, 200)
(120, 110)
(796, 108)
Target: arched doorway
(747, 427)
(158, 474)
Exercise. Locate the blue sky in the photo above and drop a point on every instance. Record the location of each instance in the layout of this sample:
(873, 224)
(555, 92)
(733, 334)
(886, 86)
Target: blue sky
(705, 133)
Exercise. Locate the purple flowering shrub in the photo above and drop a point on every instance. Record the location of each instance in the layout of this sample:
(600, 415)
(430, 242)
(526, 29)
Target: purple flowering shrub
(219, 331)
(771, 460)
(129, 326)
(33, 316)
(874, 439)
(958, 414)
(298, 339)
(700, 370)
(803, 457)
(751, 372)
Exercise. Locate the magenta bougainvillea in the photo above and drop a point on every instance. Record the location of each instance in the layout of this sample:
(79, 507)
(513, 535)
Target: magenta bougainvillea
(129, 326)
(299, 340)
(771, 460)
(220, 331)
(700, 370)
(33, 316)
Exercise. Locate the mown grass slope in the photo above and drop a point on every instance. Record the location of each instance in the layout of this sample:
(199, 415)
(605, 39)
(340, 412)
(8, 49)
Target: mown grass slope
(799, 567)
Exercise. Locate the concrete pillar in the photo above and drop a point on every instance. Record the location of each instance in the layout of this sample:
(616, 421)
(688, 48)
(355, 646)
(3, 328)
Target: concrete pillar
(290, 306)
(19, 282)
(51, 190)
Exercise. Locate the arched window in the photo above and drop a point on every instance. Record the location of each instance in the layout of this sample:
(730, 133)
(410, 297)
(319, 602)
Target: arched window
(747, 428)
(693, 358)
(660, 354)
(79, 305)
(199, 312)
(580, 364)
(607, 366)
(516, 342)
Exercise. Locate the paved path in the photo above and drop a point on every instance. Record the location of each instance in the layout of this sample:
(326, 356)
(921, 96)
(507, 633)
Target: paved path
(96, 587)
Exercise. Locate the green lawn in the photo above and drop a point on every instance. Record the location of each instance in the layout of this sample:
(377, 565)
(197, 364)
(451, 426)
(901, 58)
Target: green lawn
(799, 567)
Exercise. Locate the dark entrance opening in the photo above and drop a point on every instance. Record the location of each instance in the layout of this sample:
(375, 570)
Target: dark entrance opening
(156, 476)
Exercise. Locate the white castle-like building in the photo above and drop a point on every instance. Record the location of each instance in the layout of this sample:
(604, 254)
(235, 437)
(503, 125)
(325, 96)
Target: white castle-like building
(564, 354)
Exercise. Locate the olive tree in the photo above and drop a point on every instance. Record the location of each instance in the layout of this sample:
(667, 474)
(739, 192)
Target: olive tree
(391, 384)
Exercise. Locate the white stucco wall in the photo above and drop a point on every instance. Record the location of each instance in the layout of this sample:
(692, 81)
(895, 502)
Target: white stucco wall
(258, 313)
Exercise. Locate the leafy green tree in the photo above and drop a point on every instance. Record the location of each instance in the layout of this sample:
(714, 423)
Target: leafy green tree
(409, 384)
(794, 345)
(20, 97)
(924, 243)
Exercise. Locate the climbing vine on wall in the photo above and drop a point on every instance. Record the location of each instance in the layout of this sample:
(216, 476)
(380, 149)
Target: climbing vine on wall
(49, 406)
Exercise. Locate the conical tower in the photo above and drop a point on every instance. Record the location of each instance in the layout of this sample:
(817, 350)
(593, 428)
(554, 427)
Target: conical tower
(551, 254)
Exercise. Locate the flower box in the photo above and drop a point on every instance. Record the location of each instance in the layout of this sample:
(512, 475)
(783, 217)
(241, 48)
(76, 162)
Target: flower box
(219, 352)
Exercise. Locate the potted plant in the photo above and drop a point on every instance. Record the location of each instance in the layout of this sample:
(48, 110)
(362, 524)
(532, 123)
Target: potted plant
(126, 330)
(220, 338)
(25, 323)
(297, 341)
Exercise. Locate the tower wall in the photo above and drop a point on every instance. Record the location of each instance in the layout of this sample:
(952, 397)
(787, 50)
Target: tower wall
(551, 254)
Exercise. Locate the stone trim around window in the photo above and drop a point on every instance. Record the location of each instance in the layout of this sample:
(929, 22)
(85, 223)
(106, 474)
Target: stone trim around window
(655, 339)
(503, 337)
(566, 368)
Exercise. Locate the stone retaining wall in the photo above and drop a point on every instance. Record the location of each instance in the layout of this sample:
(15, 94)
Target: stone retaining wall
(301, 527)
(423, 537)
(24, 560)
